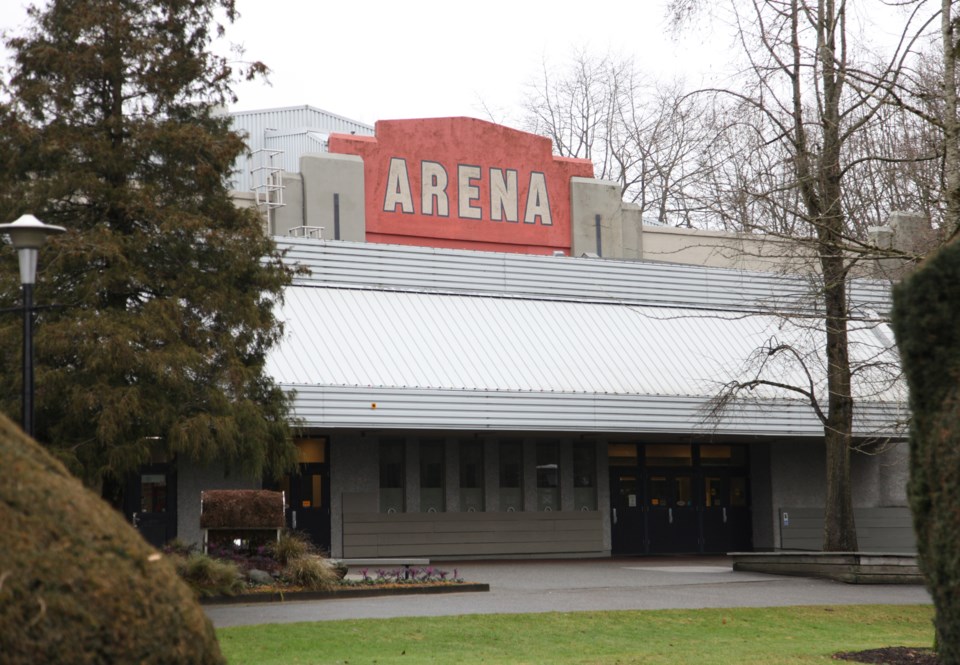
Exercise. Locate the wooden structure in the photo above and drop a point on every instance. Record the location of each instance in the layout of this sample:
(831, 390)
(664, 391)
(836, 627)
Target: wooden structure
(250, 516)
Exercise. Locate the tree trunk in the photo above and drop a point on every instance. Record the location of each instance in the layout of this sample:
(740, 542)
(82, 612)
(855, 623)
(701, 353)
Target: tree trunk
(839, 529)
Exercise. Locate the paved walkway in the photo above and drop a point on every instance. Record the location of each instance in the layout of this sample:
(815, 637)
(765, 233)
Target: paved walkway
(579, 585)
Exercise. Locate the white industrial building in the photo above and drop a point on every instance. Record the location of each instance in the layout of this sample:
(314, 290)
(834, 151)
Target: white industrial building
(456, 403)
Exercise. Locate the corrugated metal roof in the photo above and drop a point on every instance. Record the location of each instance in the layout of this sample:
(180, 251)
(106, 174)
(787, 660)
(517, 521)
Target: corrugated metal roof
(425, 269)
(354, 337)
(406, 408)
(626, 365)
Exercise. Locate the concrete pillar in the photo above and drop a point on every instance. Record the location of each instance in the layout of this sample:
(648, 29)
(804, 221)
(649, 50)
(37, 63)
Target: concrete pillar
(451, 478)
(290, 214)
(334, 182)
(596, 218)
(354, 470)
(491, 474)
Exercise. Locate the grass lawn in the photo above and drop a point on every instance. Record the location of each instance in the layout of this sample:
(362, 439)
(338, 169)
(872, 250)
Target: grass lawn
(701, 637)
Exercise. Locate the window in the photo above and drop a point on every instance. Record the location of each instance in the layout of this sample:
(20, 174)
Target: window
(622, 454)
(667, 454)
(471, 476)
(311, 451)
(511, 476)
(431, 477)
(153, 492)
(391, 476)
(714, 455)
(548, 476)
(584, 476)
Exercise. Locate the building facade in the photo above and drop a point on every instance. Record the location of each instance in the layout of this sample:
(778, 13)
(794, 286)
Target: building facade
(483, 365)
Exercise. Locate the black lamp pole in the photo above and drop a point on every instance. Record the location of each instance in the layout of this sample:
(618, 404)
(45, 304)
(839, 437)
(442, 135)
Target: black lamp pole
(27, 235)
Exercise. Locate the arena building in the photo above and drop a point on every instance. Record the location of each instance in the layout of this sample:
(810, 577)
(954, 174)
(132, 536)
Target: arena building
(490, 355)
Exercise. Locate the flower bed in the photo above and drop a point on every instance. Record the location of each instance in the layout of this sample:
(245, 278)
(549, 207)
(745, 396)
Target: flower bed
(291, 569)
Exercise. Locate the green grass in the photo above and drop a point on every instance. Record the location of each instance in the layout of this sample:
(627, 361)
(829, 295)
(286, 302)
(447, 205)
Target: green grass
(703, 637)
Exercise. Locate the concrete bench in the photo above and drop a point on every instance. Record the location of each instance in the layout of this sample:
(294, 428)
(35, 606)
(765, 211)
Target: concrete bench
(404, 562)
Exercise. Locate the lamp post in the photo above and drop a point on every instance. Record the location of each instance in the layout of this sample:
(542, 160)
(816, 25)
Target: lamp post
(27, 234)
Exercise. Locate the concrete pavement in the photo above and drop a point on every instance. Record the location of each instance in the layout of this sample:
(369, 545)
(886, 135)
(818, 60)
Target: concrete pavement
(582, 585)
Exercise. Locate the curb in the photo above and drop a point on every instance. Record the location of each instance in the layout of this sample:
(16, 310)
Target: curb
(344, 593)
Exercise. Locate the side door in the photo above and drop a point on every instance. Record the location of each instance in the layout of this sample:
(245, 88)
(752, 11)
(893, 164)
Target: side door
(308, 506)
(150, 502)
(626, 507)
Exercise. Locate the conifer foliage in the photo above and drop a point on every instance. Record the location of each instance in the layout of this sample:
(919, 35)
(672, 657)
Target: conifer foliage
(926, 320)
(164, 289)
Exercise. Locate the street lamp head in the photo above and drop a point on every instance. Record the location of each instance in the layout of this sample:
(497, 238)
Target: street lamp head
(27, 234)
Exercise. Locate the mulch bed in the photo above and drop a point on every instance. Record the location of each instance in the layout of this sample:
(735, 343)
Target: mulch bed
(892, 656)
(343, 592)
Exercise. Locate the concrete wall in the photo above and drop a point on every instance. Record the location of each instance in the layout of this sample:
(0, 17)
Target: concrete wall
(798, 484)
(761, 498)
(191, 480)
(329, 188)
(325, 175)
(354, 469)
(597, 218)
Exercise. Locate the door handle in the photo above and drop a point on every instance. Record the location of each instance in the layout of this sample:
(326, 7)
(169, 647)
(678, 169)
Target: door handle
(724, 514)
(670, 515)
(614, 515)
(293, 520)
(135, 519)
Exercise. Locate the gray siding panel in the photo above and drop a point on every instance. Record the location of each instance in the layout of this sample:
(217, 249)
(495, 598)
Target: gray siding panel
(408, 408)
(886, 529)
(295, 130)
(364, 265)
(471, 534)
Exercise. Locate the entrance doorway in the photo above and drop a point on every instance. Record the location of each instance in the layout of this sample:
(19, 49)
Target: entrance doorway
(150, 500)
(308, 492)
(679, 498)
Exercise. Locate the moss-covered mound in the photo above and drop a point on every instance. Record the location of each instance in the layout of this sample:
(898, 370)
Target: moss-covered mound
(77, 583)
(927, 324)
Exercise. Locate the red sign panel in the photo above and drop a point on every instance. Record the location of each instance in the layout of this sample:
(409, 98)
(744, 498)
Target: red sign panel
(464, 183)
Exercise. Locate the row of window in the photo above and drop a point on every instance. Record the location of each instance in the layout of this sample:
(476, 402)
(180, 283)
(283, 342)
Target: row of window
(472, 466)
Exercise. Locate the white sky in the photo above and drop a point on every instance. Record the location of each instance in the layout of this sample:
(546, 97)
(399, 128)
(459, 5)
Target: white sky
(384, 59)
(429, 58)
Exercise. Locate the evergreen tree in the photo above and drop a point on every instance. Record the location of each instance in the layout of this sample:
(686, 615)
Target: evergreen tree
(164, 288)
(926, 320)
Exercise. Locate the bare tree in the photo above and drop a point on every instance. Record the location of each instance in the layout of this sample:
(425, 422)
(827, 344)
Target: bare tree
(811, 112)
(642, 133)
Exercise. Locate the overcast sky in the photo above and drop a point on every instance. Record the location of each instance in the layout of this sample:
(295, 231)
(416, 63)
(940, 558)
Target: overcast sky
(427, 58)
(384, 59)
(430, 58)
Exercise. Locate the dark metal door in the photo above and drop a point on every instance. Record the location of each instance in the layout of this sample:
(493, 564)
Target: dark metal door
(309, 503)
(726, 515)
(626, 519)
(150, 503)
(673, 520)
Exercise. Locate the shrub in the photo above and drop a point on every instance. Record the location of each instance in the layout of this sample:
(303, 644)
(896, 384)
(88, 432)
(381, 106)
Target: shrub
(261, 558)
(208, 576)
(75, 577)
(311, 572)
(291, 546)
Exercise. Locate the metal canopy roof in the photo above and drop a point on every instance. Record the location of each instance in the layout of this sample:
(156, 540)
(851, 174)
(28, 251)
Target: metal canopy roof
(397, 337)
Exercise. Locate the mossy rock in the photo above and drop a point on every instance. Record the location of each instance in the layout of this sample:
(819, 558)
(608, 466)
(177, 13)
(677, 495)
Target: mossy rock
(77, 583)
